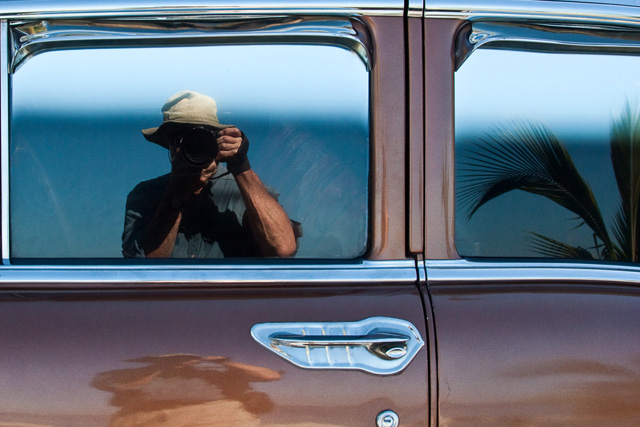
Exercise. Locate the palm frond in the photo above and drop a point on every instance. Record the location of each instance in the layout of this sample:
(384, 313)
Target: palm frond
(620, 230)
(625, 158)
(530, 158)
(552, 248)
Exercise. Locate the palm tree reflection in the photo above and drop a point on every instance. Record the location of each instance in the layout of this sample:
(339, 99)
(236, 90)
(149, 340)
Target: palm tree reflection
(531, 158)
(187, 390)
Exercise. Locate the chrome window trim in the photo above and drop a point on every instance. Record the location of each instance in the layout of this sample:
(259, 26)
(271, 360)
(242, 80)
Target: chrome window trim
(470, 272)
(503, 10)
(545, 36)
(415, 8)
(369, 273)
(4, 140)
(33, 37)
(14, 9)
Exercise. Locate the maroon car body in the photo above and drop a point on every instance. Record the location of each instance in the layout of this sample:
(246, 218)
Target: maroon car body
(498, 340)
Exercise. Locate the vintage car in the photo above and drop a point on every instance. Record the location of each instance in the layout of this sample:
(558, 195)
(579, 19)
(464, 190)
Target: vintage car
(463, 177)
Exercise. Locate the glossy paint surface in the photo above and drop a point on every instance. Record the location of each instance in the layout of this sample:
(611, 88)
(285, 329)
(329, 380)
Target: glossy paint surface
(538, 355)
(189, 359)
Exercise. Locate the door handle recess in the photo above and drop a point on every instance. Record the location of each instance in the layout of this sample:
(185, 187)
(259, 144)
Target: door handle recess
(384, 344)
(379, 345)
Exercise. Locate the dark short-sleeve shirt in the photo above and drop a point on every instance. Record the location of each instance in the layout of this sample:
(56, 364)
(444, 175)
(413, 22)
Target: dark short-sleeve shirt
(211, 225)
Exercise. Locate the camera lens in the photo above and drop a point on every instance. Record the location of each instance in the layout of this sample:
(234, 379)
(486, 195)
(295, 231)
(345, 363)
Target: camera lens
(199, 146)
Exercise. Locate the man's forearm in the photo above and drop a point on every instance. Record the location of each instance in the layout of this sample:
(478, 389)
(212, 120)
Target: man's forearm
(268, 220)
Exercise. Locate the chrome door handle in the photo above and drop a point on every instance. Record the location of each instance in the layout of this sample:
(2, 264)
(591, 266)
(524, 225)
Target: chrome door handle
(380, 345)
(387, 345)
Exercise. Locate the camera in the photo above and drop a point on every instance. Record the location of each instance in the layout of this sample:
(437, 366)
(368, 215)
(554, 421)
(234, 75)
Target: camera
(198, 146)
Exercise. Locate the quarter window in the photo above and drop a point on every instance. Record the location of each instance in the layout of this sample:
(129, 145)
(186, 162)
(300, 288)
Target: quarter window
(548, 155)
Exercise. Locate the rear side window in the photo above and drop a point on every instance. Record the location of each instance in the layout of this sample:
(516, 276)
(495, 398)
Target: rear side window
(548, 155)
(77, 151)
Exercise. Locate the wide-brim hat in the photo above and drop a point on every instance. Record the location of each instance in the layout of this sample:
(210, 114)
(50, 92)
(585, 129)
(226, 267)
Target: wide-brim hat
(185, 107)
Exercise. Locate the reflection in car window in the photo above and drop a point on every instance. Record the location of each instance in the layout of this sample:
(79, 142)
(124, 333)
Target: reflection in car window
(545, 156)
(77, 150)
(212, 204)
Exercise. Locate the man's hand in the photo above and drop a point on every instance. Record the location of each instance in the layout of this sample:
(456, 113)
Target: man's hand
(233, 146)
(229, 143)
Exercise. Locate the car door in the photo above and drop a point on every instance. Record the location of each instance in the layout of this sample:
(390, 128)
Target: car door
(333, 336)
(534, 280)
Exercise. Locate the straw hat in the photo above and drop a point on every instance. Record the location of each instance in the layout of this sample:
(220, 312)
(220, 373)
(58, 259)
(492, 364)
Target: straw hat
(185, 107)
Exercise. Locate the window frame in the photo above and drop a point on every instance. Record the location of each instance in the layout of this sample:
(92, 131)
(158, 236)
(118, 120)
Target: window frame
(393, 263)
(447, 32)
(31, 38)
(547, 37)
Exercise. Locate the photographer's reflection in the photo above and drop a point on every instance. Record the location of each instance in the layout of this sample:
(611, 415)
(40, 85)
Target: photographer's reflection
(203, 209)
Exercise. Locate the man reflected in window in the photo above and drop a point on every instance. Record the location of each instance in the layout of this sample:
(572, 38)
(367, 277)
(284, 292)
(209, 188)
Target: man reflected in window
(204, 209)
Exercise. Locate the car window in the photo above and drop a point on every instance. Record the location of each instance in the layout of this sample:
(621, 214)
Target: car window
(77, 151)
(547, 155)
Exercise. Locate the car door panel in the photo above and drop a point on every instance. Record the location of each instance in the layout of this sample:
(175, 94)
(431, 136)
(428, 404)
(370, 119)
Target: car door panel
(188, 358)
(550, 353)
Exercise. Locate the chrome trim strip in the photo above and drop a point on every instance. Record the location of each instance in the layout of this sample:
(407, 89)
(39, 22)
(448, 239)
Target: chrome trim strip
(4, 140)
(511, 10)
(466, 272)
(31, 38)
(421, 272)
(136, 8)
(415, 8)
(125, 276)
(541, 37)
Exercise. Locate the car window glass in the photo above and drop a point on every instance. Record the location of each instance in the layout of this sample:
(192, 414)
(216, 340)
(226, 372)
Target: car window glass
(76, 147)
(547, 155)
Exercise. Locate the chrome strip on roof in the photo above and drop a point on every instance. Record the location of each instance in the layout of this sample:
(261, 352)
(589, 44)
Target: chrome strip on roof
(510, 10)
(15, 9)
